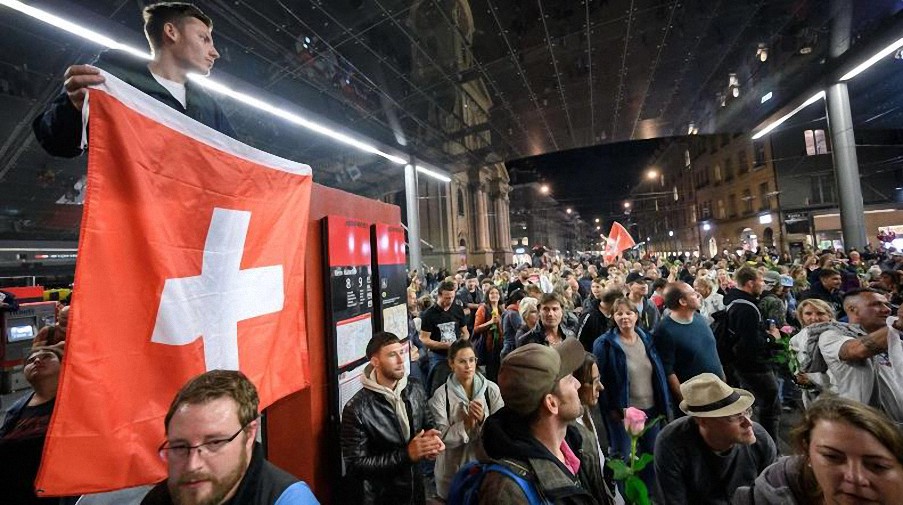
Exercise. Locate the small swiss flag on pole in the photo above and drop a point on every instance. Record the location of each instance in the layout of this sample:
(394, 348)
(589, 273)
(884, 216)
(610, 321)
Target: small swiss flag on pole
(191, 258)
(619, 240)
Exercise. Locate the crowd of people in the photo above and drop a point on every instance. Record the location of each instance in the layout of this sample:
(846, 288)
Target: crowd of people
(528, 382)
(727, 354)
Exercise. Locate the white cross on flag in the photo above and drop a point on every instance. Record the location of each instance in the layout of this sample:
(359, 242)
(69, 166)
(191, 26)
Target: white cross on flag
(191, 258)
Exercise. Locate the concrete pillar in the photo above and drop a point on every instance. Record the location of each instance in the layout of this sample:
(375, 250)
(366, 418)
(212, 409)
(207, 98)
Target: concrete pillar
(412, 200)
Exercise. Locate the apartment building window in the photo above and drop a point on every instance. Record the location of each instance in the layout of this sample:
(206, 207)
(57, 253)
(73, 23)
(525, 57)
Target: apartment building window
(728, 169)
(816, 142)
(725, 139)
(705, 210)
(460, 202)
(732, 205)
(742, 162)
(764, 197)
(759, 148)
(721, 213)
(823, 189)
(747, 201)
(717, 174)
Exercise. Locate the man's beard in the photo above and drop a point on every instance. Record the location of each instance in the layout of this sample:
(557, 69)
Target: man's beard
(220, 487)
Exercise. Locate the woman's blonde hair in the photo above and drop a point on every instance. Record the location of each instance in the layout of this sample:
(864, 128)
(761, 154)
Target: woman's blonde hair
(821, 305)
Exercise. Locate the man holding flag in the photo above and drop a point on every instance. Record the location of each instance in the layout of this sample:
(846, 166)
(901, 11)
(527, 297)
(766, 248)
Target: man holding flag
(202, 240)
(181, 40)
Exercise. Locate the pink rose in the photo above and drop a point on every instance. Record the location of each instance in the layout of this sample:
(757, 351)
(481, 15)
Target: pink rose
(634, 421)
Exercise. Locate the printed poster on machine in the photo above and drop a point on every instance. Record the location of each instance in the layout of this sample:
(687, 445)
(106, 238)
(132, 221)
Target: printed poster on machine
(349, 311)
(391, 282)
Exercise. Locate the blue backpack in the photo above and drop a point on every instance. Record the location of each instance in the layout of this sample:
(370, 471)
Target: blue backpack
(465, 487)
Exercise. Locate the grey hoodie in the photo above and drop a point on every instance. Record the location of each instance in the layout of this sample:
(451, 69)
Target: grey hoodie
(778, 484)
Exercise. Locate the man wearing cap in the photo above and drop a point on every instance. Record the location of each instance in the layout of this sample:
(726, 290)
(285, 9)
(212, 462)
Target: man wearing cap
(703, 458)
(536, 435)
(771, 303)
(470, 297)
(637, 291)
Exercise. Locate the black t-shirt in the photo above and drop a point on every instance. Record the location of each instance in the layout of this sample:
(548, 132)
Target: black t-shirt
(443, 325)
(20, 455)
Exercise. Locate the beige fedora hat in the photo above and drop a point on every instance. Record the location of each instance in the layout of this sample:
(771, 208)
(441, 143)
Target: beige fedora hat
(706, 395)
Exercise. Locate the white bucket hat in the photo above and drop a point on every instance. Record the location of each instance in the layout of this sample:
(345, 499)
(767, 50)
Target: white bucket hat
(706, 395)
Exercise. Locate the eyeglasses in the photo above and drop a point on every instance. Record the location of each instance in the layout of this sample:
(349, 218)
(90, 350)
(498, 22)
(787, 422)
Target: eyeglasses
(181, 452)
(738, 418)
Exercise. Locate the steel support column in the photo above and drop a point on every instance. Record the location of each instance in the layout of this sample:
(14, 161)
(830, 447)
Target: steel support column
(846, 167)
(840, 123)
(412, 200)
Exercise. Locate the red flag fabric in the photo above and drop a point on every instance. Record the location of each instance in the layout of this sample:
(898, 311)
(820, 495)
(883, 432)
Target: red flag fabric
(191, 258)
(619, 240)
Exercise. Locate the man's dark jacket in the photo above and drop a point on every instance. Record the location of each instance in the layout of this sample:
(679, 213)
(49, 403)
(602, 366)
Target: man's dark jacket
(818, 291)
(746, 333)
(59, 128)
(375, 454)
(507, 439)
(263, 484)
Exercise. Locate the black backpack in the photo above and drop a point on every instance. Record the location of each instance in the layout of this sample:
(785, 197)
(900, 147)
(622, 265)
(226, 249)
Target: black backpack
(724, 340)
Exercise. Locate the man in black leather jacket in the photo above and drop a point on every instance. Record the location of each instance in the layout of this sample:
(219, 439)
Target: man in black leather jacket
(387, 428)
(180, 36)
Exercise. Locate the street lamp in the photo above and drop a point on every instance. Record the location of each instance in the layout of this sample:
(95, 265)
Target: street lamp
(568, 210)
(597, 220)
(651, 174)
(544, 189)
(670, 233)
(626, 205)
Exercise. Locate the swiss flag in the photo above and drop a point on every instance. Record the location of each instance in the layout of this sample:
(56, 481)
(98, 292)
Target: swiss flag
(619, 240)
(191, 257)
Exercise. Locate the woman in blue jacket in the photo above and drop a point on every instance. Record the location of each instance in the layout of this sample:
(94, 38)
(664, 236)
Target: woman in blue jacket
(633, 376)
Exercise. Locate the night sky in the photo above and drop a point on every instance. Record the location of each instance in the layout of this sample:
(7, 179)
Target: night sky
(594, 181)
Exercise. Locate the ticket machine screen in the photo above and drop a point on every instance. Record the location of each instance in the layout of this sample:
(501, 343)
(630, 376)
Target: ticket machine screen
(19, 333)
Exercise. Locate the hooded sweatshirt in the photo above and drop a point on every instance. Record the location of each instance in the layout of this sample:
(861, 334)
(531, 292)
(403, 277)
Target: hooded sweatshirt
(777, 485)
(508, 440)
(449, 405)
(392, 395)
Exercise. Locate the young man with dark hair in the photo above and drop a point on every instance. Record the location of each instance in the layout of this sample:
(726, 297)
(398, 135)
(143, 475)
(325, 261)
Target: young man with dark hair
(750, 341)
(828, 289)
(387, 429)
(637, 292)
(24, 427)
(181, 42)
(211, 452)
(442, 324)
(598, 319)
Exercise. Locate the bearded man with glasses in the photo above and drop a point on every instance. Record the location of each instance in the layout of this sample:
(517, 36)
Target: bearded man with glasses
(211, 452)
(703, 458)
